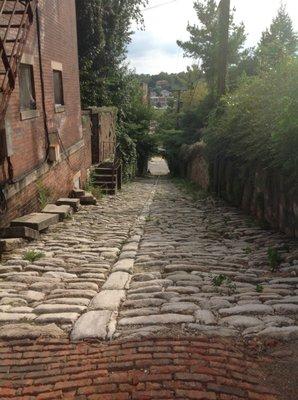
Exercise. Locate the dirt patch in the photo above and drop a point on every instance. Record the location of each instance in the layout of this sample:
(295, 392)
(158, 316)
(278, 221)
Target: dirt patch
(282, 371)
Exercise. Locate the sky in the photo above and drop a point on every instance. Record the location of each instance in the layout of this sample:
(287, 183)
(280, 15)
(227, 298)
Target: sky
(155, 50)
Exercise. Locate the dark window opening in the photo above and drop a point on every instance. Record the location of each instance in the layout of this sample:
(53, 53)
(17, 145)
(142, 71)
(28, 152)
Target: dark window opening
(27, 88)
(58, 88)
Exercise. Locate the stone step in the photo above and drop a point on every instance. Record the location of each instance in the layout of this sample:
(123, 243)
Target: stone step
(110, 192)
(101, 170)
(62, 211)
(37, 221)
(88, 199)
(105, 185)
(19, 232)
(7, 245)
(104, 178)
(78, 193)
(73, 203)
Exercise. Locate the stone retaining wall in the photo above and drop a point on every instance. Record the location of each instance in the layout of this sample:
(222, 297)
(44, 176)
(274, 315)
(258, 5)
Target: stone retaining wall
(262, 193)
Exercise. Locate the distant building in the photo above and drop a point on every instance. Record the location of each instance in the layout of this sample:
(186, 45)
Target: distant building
(160, 101)
(166, 93)
(162, 83)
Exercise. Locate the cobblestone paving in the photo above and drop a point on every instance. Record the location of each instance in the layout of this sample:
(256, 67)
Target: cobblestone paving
(45, 296)
(202, 268)
(168, 369)
(147, 268)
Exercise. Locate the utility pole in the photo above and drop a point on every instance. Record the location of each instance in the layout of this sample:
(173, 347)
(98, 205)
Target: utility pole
(223, 41)
(178, 108)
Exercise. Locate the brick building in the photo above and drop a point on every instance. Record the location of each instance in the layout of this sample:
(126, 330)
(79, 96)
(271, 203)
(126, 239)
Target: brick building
(43, 145)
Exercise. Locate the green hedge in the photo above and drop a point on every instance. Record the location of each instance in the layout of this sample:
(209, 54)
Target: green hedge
(257, 125)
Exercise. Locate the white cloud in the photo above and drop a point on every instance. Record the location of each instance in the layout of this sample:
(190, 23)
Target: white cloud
(155, 49)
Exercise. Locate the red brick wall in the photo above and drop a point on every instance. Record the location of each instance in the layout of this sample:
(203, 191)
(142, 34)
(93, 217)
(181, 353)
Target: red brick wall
(58, 44)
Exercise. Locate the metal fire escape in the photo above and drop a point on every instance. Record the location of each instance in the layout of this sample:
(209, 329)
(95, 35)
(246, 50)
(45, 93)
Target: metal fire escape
(16, 18)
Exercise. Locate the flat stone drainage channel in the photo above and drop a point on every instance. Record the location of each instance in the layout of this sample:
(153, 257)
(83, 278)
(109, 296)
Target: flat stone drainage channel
(100, 320)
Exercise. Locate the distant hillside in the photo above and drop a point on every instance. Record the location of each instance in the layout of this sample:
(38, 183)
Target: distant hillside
(164, 80)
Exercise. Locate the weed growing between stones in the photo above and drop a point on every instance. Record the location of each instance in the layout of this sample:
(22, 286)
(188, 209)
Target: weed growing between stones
(259, 288)
(68, 217)
(93, 189)
(33, 255)
(220, 280)
(274, 259)
(247, 250)
(43, 194)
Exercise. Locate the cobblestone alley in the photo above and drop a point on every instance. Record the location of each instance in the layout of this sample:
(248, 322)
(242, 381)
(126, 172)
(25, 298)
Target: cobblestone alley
(151, 294)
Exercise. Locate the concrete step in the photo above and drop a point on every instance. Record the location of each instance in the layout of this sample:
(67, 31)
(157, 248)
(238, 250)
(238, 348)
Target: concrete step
(73, 203)
(19, 232)
(37, 221)
(62, 211)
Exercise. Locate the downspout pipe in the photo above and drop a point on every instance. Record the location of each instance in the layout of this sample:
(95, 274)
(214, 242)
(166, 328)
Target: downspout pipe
(43, 96)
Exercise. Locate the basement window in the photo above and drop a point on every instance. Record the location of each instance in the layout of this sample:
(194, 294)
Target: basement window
(27, 88)
(58, 88)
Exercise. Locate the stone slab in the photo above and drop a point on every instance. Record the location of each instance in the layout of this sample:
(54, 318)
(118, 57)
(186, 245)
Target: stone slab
(28, 331)
(7, 245)
(205, 317)
(157, 319)
(93, 324)
(117, 281)
(19, 232)
(88, 199)
(180, 307)
(241, 321)
(37, 221)
(77, 193)
(62, 211)
(58, 308)
(16, 317)
(283, 333)
(213, 330)
(73, 203)
(124, 266)
(60, 318)
(247, 309)
(108, 300)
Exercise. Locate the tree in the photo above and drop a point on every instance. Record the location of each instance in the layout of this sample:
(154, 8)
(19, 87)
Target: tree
(204, 41)
(136, 123)
(104, 31)
(278, 42)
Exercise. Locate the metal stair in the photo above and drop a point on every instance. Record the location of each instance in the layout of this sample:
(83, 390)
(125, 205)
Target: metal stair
(107, 177)
(16, 19)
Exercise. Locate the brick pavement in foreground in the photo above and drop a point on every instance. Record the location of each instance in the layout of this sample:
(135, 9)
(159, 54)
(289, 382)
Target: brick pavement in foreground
(160, 368)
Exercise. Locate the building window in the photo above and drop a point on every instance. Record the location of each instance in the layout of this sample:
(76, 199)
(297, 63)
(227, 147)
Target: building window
(27, 89)
(58, 88)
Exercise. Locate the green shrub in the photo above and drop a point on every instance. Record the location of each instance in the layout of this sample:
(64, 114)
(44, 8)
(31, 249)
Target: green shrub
(274, 259)
(257, 125)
